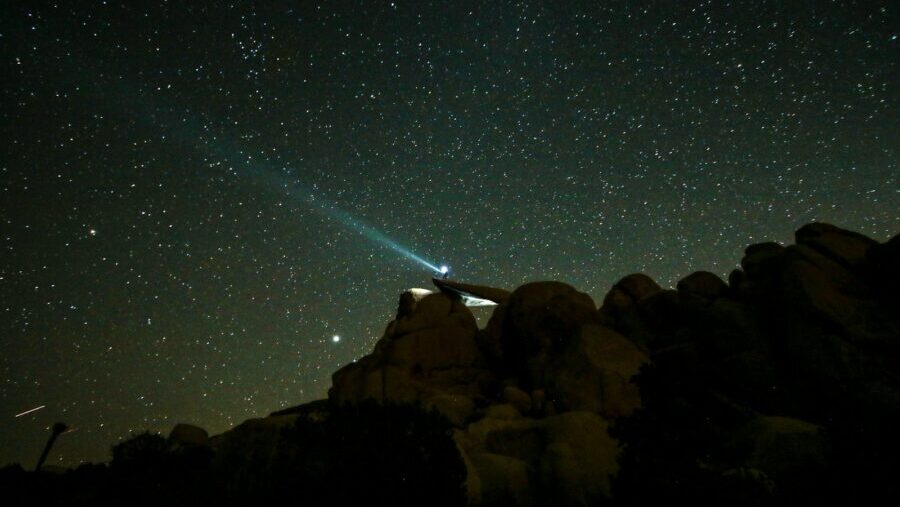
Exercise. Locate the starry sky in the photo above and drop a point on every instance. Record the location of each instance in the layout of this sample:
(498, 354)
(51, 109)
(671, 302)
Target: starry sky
(196, 197)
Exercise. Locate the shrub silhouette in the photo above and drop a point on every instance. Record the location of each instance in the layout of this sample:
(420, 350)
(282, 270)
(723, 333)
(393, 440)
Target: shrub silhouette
(147, 469)
(145, 451)
(370, 454)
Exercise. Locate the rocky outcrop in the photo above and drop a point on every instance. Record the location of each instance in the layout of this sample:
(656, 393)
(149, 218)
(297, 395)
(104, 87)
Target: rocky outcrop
(703, 284)
(593, 372)
(527, 330)
(750, 371)
(784, 374)
(187, 435)
(779, 387)
(844, 247)
(620, 306)
(427, 355)
(532, 395)
(739, 392)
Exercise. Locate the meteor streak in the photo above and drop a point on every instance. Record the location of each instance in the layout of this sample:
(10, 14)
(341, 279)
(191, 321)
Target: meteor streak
(30, 411)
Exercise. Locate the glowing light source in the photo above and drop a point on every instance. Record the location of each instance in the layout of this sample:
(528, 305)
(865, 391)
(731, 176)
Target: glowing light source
(444, 270)
(335, 338)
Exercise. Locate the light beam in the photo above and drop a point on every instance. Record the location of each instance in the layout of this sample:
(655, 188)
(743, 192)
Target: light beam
(190, 131)
(366, 230)
(273, 176)
(187, 129)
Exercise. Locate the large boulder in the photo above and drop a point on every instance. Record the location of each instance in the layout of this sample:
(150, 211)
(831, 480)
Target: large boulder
(427, 355)
(821, 304)
(619, 310)
(518, 399)
(432, 348)
(535, 322)
(594, 371)
(434, 310)
(703, 284)
(567, 459)
(637, 286)
(844, 247)
(188, 435)
(834, 325)
(761, 258)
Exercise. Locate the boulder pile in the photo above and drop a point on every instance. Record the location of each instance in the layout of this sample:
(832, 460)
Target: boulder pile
(777, 386)
(765, 362)
(532, 395)
(750, 390)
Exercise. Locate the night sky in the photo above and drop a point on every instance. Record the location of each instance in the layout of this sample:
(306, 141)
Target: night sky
(195, 201)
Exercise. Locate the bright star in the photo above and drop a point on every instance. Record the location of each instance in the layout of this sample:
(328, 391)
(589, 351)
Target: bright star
(335, 338)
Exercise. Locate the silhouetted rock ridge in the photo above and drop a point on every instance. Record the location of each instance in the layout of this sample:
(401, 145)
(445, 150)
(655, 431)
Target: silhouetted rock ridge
(779, 386)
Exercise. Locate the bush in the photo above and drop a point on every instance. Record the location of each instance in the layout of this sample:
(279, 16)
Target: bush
(371, 454)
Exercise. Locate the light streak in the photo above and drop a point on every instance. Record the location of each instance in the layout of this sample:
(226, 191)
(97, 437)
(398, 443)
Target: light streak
(30, 411)
(366, 230)
(188, 130)
(274, 176)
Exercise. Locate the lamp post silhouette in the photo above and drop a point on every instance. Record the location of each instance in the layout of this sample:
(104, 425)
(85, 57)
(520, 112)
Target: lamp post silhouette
(58, 429)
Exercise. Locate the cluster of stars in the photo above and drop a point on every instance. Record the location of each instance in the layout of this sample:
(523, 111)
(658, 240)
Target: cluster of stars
(169, 252)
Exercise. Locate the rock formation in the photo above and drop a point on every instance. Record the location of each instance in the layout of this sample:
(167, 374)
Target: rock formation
(761, 387)
(427, 355)
(482, 293)
(777, 387)
(768, 362)
(532, 395)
